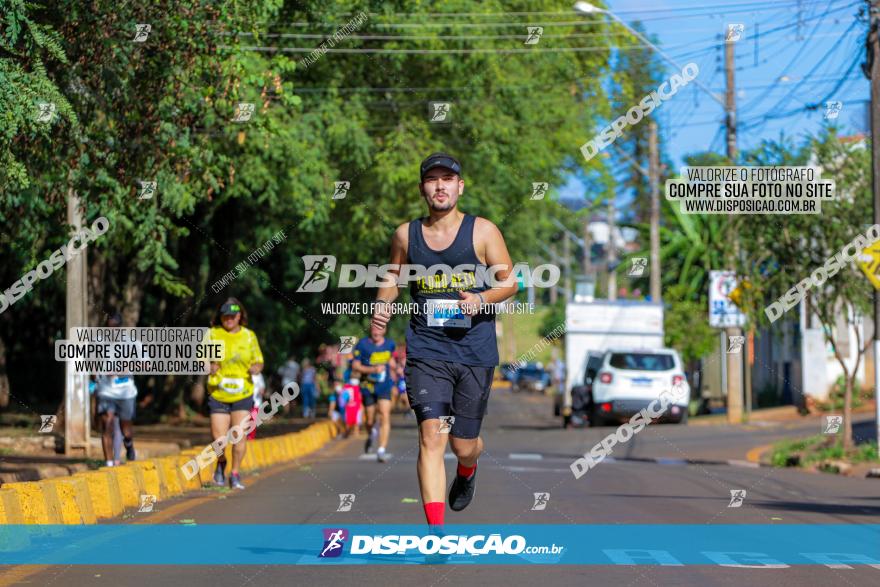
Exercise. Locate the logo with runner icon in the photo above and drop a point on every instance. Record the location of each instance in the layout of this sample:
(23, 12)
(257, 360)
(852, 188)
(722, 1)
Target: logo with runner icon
(535, 33)
(147, 503)
(334, 542)
(541, 501)
(638, 266)
(340, 189)
(737, 496)
(47, 423)
(317, 275)
(832, 424)
(346, 344)
(735, 344)
(440, 111)
(346, 500)
(446, 423)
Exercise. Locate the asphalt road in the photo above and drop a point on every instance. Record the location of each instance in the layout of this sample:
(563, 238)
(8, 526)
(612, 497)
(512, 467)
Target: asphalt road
(526, 452)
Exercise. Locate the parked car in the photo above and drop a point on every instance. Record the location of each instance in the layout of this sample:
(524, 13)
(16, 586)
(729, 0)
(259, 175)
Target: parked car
(508, 371)
(628, 380)
(531, 377)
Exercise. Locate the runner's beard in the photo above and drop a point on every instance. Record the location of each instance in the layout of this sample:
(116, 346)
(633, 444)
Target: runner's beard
(441, 206)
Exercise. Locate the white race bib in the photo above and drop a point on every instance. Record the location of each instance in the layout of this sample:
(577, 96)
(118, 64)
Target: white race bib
(231, 384)
(447, 314)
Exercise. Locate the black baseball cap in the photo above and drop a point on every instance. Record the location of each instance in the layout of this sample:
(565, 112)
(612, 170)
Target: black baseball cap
(440, 160)
(230, 309)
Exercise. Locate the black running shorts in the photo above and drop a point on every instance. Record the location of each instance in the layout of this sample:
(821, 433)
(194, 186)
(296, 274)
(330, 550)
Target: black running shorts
(440, 388)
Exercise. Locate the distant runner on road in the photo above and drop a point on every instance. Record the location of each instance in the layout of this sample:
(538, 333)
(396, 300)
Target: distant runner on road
(450, 343)
(230, 384)
(116, 395)
(373, 358)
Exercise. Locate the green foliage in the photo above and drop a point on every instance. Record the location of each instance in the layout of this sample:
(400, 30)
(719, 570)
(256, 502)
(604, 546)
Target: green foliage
(162, 111)
(554, 317)
(686, 325)
(818, 449)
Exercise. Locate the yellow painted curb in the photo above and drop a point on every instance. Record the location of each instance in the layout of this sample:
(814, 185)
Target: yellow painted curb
(91, 495)
(10, 508)
(104, 493)
(125, 481)
(754, 455)
(147, 478)
(76, 502)
(38, 505)
(187, 484)
(169, 479)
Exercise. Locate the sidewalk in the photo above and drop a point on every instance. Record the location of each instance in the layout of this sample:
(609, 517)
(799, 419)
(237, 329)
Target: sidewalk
(31, 457)
(776, 414)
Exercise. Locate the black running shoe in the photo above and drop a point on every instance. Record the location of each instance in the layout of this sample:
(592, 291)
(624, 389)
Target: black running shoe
(129, 453)
(369, 443)
(462, 491)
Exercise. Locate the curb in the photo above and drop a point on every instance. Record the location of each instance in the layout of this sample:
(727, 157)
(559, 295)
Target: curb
(89, 496)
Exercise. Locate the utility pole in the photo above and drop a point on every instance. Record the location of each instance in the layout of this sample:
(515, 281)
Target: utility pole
(734, 360)
(553, 293)
(654, 179)
(611, 255)
(76, 393)
(874, 44)
(566, 256)
(588, 262)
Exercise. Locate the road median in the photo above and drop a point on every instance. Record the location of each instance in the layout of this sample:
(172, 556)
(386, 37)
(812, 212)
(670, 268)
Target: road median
(86, 497)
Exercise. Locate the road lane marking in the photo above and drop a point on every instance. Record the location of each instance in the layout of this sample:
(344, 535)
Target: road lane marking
(525, 456)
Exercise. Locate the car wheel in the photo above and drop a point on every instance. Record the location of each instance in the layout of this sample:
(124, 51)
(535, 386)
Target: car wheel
(684, 417)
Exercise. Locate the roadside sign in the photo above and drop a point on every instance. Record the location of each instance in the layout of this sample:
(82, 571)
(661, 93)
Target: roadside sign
(722, 311)
(869, 263)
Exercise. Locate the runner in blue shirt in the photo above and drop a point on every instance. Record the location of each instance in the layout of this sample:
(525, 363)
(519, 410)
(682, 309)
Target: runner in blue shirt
(373, 359)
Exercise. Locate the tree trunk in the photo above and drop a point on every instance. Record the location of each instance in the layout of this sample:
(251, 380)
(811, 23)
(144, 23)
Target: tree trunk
(98, 314)
(847, 412)
(4, 379)
(132, 294)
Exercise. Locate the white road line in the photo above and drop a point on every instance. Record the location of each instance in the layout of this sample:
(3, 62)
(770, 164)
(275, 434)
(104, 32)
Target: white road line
(749, 464)
(525, 456)
(534, 470)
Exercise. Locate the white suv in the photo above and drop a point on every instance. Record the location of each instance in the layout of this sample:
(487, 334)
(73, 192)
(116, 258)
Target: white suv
(630, 379)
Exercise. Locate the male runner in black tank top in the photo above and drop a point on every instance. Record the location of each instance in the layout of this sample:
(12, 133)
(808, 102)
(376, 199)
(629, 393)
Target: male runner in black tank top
(450, 360)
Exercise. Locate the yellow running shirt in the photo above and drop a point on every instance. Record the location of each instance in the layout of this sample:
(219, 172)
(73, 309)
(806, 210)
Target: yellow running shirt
(232, 382)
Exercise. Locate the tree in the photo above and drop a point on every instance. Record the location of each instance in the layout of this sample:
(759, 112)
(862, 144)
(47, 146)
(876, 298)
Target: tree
(782, 251)
(161, 110)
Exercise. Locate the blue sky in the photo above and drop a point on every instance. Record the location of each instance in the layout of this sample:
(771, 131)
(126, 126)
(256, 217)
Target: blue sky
(805, 52)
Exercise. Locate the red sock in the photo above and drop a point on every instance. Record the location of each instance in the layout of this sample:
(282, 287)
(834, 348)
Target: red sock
(466, 472)
(434, 512)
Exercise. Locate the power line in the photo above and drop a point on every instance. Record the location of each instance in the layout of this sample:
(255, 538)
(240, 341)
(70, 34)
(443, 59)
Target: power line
(711, 7)
(703, 12)
(441, 51)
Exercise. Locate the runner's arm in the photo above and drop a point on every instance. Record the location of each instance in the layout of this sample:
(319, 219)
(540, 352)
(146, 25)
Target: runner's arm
(497, 254)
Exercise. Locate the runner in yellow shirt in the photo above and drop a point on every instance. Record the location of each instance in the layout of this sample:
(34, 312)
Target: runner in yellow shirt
(230, 385)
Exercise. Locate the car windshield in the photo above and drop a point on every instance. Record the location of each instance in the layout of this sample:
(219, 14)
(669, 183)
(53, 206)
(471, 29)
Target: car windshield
(642, 361)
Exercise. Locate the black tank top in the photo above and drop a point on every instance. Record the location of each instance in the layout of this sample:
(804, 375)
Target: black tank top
(474, 345)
